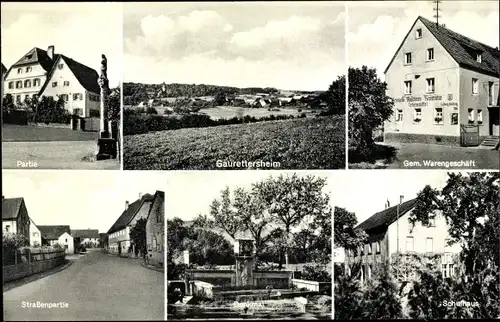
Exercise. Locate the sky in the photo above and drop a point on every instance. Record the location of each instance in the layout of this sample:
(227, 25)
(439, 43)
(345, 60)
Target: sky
(292, 45)
(366, 192)
(82, 31)
(80, 199)
(376, 29)
(190, 193)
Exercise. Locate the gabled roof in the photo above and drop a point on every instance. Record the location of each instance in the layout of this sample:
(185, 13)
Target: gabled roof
(128, 214)
(159, 196)
(86, 76)
(462, 49)
(4, 69)
(388, 216)
(54, 232)
(35, 55)
(85, 233)
(11, 207)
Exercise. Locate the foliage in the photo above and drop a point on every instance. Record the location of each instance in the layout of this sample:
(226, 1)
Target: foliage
(348, 298)
(138, 237)
(345, 235)
(114, 106)
(47, 110)
(316, 272)
(369, 107)
(311, 143)
(151, 110)
(335, 96)
(407, 266)
(381, 299)
(469, 203)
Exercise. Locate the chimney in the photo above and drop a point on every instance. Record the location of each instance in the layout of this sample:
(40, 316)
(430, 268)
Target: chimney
(126, 204)
(140, 195)
(50, 52)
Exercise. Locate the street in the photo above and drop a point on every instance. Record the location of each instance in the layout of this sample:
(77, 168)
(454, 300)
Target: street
(97, 286)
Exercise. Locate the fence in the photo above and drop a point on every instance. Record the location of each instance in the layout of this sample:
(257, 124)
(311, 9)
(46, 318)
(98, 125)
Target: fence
(28, 262)
(469, 135)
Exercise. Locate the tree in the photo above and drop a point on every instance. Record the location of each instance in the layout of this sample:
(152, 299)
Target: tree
(138, 237)
(345, 235)
(470, 205)
(219, 99)
(114, 106)
(381, 299)
(369, 107)
(335, 96)
(8, 102)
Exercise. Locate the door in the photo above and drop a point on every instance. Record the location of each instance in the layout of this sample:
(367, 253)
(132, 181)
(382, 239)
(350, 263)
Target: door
(494, 120)
(119, 248)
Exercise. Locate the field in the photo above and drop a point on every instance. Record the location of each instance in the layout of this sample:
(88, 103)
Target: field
(228, 112)
(310, 143)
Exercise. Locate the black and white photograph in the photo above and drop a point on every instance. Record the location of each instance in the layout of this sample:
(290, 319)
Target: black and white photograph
(61, 85)
(424, 247)
(423, 85)
(234, 85)
(252, 245)
(83, 245)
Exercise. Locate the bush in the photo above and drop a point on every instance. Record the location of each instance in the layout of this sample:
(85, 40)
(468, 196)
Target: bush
(151, 110)
(316, 273)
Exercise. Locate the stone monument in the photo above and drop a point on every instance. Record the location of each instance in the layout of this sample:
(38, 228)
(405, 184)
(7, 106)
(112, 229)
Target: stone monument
(107, 145)
(244, 254)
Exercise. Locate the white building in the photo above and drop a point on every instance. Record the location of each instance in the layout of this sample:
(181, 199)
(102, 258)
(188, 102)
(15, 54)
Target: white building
(35, 234)
(44, 73)
(58, 235)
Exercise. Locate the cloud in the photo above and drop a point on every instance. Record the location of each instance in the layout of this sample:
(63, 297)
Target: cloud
(83, 36)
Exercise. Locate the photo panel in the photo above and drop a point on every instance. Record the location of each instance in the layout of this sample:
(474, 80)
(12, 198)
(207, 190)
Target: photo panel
(61, 85)
(426, 246)
(254, 245)
(219, 86)
(423, 85)
(83, 245)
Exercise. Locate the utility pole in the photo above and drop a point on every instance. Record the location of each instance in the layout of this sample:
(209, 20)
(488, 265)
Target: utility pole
(437, 9)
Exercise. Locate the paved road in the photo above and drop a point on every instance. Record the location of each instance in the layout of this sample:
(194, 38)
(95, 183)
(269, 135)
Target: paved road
(97, 287)
(53, 155)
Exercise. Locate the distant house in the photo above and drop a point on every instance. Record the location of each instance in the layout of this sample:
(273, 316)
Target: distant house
(58, 235)
(119, 241)
(35, 234)
(103, 240)
(89, 238)
(155, 230)
(284, 101)
(15, 218)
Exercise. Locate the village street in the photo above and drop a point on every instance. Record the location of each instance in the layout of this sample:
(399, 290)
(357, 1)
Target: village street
(97, 286)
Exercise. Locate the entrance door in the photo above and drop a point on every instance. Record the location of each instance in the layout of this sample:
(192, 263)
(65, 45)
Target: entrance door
(494, 113)
(119, 248)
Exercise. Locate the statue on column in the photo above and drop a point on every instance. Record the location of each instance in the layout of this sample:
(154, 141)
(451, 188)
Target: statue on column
(104, 66)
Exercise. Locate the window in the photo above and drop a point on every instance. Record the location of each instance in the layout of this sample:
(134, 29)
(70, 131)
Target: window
(54, 84)
(65, 246)
(454, 118)
(19, 84)
(407, 89)
(77, 96)
(66, 240)
(479, 116)
(19, 70)
(28, 57)
(370, 249)
(18, 98)
(429, 244)
(60, 66)
(27, 83)
(418, 33)
(11, 85)
(64, 97)
(490, 93)
(377, 249)
(438, 115)
(432, 222)
(66, 83)
(475, 86)
(470, 112)
(407, 58)
(478, 57)
(430, 54)
(26, 97)
(430, 82)
(36, 82)
(29, 69)
(399, 115)
(417, 117)
(77, 111)
(7, 228)
(409, 243)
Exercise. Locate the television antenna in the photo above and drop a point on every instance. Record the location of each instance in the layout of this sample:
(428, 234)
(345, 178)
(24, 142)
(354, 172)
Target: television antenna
(437, 10)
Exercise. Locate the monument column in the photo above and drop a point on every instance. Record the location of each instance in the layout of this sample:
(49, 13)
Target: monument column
(104, 86)
(244, 253)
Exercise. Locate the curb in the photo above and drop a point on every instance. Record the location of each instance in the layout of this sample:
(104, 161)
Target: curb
(31, 278)
(153, 268)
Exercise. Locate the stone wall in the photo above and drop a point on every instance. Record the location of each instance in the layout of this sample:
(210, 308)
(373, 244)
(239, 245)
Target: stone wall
(13, 272)
(276, 279)
(215, 276)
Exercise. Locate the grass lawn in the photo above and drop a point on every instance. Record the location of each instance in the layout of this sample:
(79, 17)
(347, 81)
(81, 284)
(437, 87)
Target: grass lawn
(20, 133)
(413, 155)
(310, 143)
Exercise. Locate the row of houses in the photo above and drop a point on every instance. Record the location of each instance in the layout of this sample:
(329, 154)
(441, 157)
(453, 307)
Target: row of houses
(16, 220)
(46, 73)
(151, 208)
(390, 232)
